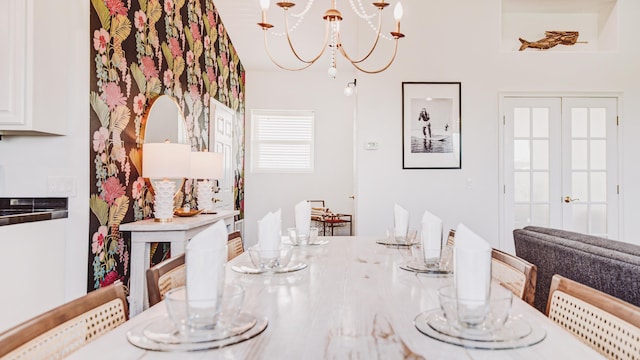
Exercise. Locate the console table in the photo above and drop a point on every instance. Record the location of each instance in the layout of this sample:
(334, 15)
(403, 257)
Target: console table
(176, 232)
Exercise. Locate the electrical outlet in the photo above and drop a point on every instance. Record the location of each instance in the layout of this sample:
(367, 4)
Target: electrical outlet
(65, 186)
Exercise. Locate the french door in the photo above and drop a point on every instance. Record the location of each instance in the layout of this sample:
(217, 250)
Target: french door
(560, 165)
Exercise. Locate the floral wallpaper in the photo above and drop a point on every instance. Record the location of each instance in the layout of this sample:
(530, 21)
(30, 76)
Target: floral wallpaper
(141, 49)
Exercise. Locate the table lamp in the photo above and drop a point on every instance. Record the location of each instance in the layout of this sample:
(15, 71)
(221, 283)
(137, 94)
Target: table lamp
(163, 163)
(205, 166)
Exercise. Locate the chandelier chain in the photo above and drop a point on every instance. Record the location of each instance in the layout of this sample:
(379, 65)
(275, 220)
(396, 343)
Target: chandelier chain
(300, 17)
(361, 14)
(368, 18)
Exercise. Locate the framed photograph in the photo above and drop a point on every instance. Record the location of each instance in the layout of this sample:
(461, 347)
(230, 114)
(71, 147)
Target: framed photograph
(431, 125)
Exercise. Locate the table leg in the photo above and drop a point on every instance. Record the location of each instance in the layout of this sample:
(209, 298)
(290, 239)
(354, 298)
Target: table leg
(140, 252)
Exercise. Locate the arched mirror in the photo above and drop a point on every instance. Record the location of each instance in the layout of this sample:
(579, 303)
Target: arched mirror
(163, 121)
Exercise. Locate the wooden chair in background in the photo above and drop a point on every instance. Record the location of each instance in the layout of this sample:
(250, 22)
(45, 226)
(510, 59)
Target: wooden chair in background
(62, 330)
(235, 246)
(170, 274)
(607, 324)
(327, 221)
(515, 274)
(451, 238)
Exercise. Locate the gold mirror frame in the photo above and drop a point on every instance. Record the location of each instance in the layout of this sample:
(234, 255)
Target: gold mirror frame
(164, 120)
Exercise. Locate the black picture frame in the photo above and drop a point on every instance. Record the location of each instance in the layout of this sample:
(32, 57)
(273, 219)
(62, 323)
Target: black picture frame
(431, 125)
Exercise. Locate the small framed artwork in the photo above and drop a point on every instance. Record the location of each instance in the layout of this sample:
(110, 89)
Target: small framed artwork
(431, 126)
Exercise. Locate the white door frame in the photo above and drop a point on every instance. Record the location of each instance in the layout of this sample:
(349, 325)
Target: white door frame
(503, 240)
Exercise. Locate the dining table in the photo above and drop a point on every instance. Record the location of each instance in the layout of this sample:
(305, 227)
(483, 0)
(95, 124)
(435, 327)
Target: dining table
(353, 300)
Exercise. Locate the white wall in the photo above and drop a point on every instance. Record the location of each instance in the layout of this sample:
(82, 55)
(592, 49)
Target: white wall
(332, 179)
(26, 163)
(461, 42)
(454, 41)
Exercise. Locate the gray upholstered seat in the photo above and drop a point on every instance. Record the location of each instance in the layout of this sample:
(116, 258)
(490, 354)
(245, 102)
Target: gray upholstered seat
(612, 267)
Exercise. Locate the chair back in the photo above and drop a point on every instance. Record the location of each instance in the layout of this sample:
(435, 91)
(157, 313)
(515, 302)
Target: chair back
(515, 274)
(62, 330)
(164, 276)
(234, 245)
(605, 323)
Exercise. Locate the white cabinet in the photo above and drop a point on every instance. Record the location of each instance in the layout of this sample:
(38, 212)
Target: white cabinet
(33, 263)
(32, 68)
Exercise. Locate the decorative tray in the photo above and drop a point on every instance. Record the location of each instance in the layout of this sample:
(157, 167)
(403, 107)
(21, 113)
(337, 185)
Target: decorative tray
(189, 213)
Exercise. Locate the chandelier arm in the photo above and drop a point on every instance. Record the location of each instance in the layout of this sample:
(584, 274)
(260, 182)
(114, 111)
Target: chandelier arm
(293, 50)
(375, 43)
(355, 64)
(266, 47)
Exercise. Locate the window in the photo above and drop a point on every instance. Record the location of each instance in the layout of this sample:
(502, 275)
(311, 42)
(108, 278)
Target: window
(282, 141)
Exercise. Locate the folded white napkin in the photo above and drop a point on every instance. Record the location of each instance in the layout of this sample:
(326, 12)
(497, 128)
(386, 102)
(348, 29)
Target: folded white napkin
(205, 259)
(431, 235)
(400, 221)
(472, 265)
(303, 217)
(269, 236)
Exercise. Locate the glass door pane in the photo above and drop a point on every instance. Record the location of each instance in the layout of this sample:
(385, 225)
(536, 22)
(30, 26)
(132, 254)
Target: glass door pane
(590, 180)
(531, 136)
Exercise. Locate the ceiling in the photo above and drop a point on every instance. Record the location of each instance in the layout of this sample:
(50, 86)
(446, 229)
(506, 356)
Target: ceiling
(557, 6)
(240, 18)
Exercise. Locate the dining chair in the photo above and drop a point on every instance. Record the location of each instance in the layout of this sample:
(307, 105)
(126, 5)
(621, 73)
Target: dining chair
(515, 274)
(164, 276)
(607, 324)
(170, 274)
(57, 333)
(235, 246)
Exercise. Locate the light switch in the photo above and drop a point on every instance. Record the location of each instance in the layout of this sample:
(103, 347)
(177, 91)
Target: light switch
(62, 186)
(371, 145)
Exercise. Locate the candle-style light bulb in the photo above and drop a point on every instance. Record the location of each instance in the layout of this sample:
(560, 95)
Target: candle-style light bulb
(264, 4)
(397, 12)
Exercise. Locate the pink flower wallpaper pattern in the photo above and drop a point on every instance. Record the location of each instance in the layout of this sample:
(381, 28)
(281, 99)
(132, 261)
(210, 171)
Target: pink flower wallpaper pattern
(141, 49)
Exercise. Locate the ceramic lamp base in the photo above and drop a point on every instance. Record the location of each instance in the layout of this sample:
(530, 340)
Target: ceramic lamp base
(163, 203)
(205, 196)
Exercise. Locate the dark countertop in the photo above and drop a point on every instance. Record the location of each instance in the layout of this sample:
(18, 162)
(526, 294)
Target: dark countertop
(23, 210)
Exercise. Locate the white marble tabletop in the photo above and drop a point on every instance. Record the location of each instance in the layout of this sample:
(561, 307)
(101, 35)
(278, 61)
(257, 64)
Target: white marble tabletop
(352, 302)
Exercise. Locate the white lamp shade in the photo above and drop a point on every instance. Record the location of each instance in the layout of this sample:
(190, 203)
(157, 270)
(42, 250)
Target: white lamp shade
(206, 165)
(165, 160)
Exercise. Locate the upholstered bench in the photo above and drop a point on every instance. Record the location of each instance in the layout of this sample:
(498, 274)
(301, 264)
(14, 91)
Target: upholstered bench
(610, 266)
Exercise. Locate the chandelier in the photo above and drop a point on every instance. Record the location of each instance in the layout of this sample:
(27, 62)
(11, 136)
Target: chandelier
(332, 38)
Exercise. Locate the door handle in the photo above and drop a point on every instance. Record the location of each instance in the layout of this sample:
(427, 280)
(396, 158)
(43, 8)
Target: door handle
(352, 197)
(568, 199)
